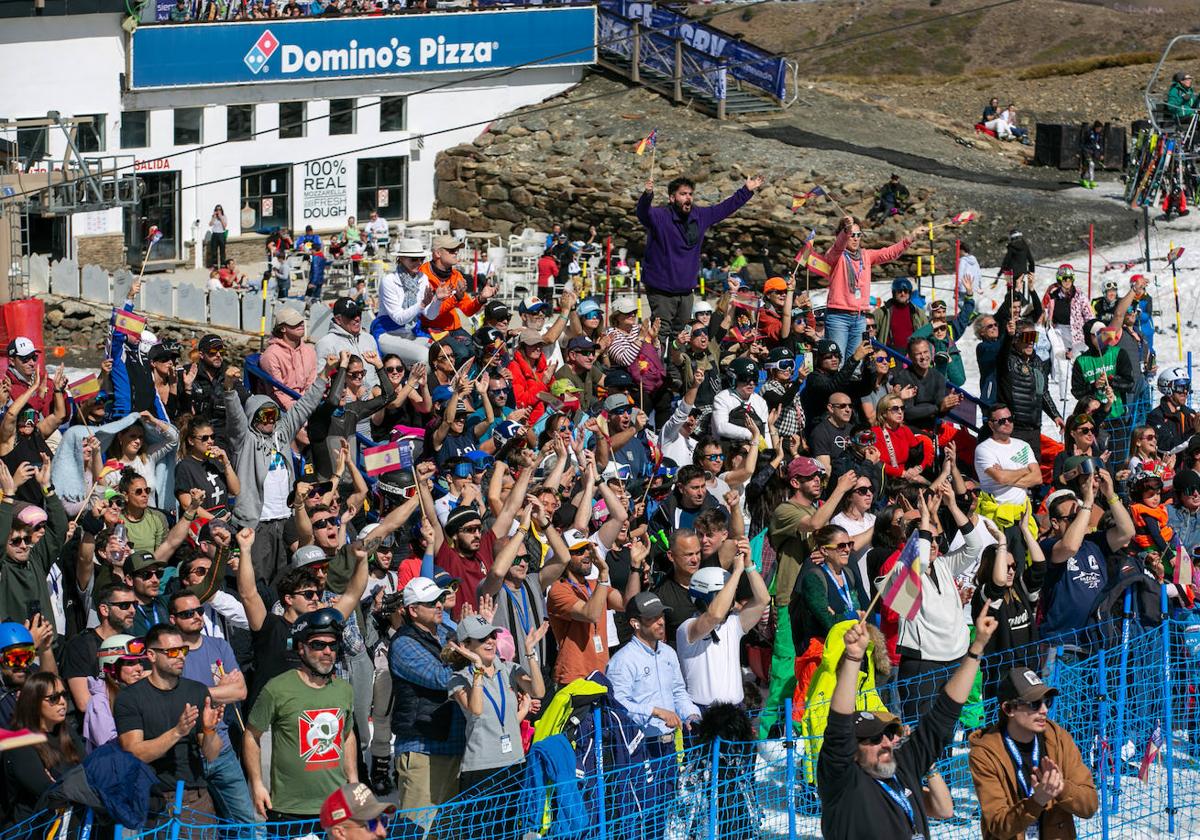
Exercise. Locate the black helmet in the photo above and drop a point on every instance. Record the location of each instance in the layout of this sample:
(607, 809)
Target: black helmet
(743, 370)
(324, 620)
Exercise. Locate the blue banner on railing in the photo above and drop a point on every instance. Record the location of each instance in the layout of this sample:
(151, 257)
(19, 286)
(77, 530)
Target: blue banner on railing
(700, 71)
(751, 64)
(281, 51)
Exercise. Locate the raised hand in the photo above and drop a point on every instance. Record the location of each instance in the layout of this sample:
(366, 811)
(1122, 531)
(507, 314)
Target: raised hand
(245, 539)
(232, 375)
(855, 641)
(754, 182)
(985, 625)
(467, 654)
(487, 608)
(42, 474)
(187, 720)
(534, 636)
(212, 714)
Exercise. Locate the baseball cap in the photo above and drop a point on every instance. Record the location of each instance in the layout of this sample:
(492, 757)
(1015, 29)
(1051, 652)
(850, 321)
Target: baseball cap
(211, 342)
(352, 802)
(581, 342)
(588, 309)
(31, 515)
(474, 627)
(531, 338)
(804, 466)
(460, 517)
(561, 387)
(289, 317)
(421, 590)
(574, 538)
(160, 352)
(306, 555)
(533, 303)
(141, 560)
(774, 284)
(21, 346)
(868, 724)
(625, 306)
(827, 347)
(496, 310)
(645, 605)
(346, 307)
(616, 401)
(446, 243)
(443, 578)
(1025, 685)
(441, 393)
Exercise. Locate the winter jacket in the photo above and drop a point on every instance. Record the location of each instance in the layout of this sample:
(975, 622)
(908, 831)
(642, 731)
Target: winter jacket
(338, 339)
(1018, 258)
(1182, 102)
(952, 370)
(725, 403)
(443, 315)
(921, 412)
(1174, 427)
(1021, 384)
(1005, 812)
(21, 583)
(253, 450)
(208, 400)
(550, 772)
(939, 632)
(671, 263)
(849, 278)
(1080, 311)
(1112, 363)
(528, 384)
(883, 322)
(894, 446)
(295, 367)
(820, 386)
(421, 711)
(99, 727)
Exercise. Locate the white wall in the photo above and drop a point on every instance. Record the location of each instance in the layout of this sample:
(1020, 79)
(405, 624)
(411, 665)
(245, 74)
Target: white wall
(74, 65)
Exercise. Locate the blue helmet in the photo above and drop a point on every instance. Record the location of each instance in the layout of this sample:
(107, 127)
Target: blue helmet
(13, 634)
(901, 284)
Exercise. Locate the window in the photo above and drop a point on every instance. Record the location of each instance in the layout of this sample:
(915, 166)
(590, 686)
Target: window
(341, 116)
(135, 129)
(392, 113)
(265, 190)
(189, 126)
(381, 187)
(90, 138)
(291, 120)
(239, 122)
(31, 143)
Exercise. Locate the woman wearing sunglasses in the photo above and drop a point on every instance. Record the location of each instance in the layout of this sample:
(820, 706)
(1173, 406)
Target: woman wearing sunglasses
(29, 771)
(410, 400)
(206, 467)
(131, 447)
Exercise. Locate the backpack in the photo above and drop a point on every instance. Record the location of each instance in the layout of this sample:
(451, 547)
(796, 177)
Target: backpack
(1146, 603)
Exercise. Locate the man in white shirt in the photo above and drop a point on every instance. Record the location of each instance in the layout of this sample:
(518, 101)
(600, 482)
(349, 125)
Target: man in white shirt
(1006, 466)
(378, 232)
(709, 643)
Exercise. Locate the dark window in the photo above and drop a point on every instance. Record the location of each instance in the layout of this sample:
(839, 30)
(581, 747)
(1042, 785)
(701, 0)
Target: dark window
(189, 126)
(135, 129)
(381, 186)
(90, 137)
(31, 143)
(341, 116)
(392, 113)
(291, 120)
(239, 122)
(265, 190)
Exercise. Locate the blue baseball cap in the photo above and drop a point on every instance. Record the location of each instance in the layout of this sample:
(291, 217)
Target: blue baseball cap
(588, 308)
(441, 393)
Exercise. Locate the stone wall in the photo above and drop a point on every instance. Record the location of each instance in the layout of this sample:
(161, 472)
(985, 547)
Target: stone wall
(106, 250)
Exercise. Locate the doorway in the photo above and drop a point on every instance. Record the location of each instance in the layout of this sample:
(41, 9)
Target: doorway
(159, 206)
(46, 235)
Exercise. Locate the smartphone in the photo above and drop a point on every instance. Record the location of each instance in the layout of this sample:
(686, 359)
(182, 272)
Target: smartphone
(33, 607)
(866, 335)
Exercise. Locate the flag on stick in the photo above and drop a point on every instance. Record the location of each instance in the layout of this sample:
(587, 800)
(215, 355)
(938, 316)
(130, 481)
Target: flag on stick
(381, 459)
(799, 201)
(129, 323)
(902, 593)
(817, 265)
(647, 142)
(153, 236)
(963, 218)
(85, 388)
(1153, 745)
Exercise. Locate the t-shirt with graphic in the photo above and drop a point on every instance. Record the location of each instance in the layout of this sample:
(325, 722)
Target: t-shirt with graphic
(204, 665)
(309, 727)
(1013, 455)
(1072, 589)
(192, 474)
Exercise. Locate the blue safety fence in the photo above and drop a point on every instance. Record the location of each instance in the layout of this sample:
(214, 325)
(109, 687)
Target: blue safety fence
(1124, 689)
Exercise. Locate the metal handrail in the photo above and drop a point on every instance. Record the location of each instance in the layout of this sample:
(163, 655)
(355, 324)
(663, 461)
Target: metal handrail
(1150, 103)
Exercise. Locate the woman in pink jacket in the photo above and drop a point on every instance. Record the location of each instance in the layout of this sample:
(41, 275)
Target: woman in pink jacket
(849, 302)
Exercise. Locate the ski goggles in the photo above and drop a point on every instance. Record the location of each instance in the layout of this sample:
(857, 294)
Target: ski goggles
(782, 364)
(17, 658)
(266, 414)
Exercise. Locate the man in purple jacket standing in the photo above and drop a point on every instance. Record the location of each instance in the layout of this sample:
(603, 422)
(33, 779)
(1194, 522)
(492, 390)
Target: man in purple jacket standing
(674, 234)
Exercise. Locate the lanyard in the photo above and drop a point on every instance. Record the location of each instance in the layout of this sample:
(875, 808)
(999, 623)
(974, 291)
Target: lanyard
(1026, 787)
(153, 613)
(901, 802)
(523, 616)
(843, 590)
(585, 593)
(503, 704)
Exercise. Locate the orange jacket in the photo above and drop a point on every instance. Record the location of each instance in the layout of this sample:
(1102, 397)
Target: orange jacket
(527, 384)
(1140, 513)
(447, 318)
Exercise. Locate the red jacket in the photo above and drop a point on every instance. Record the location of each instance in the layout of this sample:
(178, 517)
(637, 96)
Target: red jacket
(894, 447)
(527, 384)
(547, 269)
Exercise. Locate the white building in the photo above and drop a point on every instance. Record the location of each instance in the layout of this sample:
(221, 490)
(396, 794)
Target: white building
(281, 122)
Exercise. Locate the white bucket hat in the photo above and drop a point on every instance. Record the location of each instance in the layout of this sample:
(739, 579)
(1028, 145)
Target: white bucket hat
(410, 248)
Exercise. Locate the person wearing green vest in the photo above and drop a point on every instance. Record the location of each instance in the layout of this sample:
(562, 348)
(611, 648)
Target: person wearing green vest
(1102, 369)
(790, 532)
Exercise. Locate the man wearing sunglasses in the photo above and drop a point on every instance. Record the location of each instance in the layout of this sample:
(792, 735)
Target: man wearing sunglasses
(115, 609)
(353, 813)
(868, 782)
(19, 657)
(1027, 770)
(581, 369)
(1183, 514)
(1172, 419)
(170, 722)
(208, 388)
(23, 369)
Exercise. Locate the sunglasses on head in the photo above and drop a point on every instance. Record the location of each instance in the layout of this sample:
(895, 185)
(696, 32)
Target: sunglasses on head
(178, 652)
(893, 731)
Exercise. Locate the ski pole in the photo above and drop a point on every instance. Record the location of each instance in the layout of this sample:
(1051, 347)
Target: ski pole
(1175, 283)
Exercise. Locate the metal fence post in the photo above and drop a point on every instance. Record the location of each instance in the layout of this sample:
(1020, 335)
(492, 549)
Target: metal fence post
(789, 743)
(1122, 696)
(635, 54)
(678, 93)
(1101, 737)
(177, 812)
(1169, 692)
(597, 721)
(714, 765)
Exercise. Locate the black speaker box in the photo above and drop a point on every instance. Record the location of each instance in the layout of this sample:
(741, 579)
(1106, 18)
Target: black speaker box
(1115, 140)
(1057, 145)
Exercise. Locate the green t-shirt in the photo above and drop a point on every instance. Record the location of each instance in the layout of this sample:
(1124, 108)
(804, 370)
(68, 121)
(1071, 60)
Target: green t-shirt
(791, 548)
(148, 532)
(309, 727)
(1092, 366)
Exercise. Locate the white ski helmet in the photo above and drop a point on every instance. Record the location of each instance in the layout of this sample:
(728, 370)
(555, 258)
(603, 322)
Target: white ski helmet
(707, 582)
(1173, 379)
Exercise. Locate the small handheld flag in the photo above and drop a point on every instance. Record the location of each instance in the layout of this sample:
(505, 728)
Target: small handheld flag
(381, 459)
(647, 142)
(818, 266)
(963, 218)
(153, 236)
(1175, 253)
(129, 323)
(85, 388)
(902, 592)
(797, 203)
(1153, 745)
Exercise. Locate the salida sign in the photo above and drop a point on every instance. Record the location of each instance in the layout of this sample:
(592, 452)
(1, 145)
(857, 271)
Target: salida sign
(324, 189)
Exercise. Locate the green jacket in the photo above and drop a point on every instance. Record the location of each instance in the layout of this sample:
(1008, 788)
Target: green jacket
(1181, 102)
(883, 322)
(1088, 369)
(953, 371)
(22, 583)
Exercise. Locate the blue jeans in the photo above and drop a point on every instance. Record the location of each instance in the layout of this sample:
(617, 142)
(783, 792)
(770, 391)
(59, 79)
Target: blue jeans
(228, 788)
(845, 330)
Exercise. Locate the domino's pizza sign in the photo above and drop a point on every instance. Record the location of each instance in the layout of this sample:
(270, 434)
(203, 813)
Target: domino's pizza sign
(262, 50)
(198, 54)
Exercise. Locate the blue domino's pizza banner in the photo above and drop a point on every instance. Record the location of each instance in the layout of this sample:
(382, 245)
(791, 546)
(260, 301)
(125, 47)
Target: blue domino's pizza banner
(253, 52)
(749, 63)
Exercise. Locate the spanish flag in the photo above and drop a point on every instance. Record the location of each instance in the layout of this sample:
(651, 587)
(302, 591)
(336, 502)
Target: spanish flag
(129, 323)
(381, 459)
(963, 218)
(85, 388)
(817, 265)
(647, 142)
(797, 202)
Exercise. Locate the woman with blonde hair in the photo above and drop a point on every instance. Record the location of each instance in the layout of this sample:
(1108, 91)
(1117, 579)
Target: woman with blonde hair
(896, 441)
